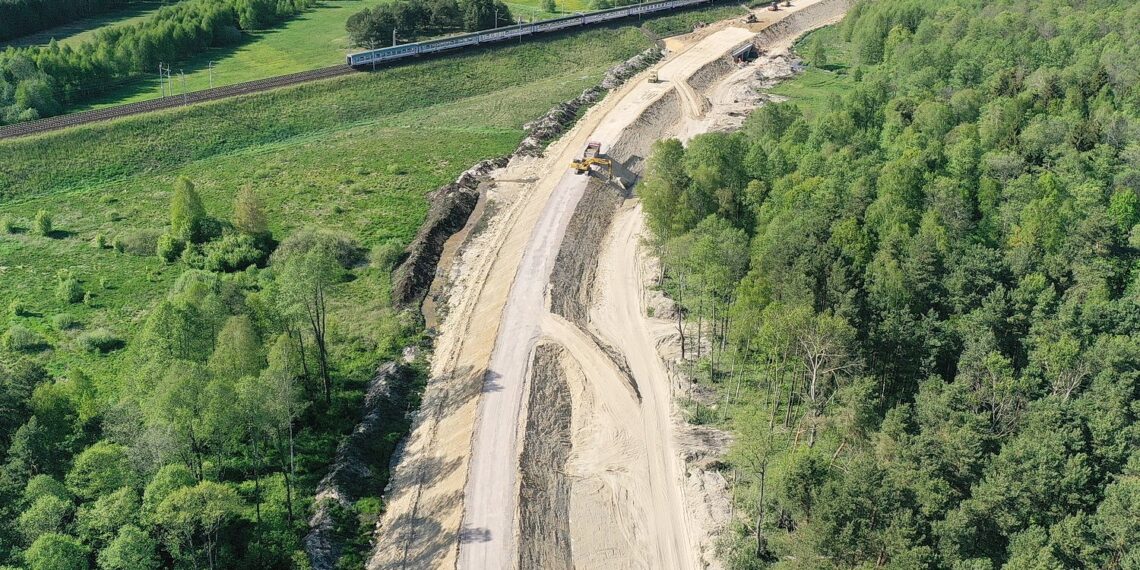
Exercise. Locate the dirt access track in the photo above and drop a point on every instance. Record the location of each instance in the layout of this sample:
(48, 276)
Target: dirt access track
(486, 480)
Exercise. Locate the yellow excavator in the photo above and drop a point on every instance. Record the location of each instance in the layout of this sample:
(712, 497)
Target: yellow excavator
(593, 156)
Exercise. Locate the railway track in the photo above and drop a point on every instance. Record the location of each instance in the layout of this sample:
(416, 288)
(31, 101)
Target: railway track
(85, 117)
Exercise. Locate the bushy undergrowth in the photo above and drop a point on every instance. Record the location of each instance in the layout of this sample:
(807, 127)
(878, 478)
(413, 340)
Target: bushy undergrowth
(19, 338)
(100, 340)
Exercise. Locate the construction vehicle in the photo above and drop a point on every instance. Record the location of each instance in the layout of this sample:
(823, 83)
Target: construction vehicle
(653, 76)
(775, 6)
(593, 156)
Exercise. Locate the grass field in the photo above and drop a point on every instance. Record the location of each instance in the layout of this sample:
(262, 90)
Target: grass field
(356, 154)
(812, 89)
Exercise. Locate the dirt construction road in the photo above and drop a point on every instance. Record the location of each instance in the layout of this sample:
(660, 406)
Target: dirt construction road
(454, 500)
(489, 499)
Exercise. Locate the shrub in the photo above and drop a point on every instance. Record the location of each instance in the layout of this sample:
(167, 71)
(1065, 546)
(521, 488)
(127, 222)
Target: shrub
(64, 321)
(233, 252)
(141, 243)
(67, 288)
(169, 248)
(19, 338)
(42, 224)
(342, 246)
(18, 308)
(385, 256)
(7, 226)
(100, 340)
(99, 241)
(192, 256)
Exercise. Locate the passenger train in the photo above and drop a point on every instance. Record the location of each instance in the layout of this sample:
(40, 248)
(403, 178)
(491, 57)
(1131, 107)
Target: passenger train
(376, 56)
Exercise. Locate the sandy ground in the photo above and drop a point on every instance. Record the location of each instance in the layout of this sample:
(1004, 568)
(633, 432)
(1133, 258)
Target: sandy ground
(453, 499)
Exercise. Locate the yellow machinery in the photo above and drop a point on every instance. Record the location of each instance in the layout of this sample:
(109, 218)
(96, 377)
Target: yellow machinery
(593, 156)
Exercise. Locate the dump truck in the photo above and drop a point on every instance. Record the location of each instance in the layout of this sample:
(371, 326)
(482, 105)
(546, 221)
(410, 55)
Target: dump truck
(593, 156)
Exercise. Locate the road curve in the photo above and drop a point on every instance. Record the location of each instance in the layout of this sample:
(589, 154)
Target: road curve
(488, 535)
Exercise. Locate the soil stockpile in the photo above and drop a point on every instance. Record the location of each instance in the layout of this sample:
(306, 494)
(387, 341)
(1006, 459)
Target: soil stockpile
(577, 261)
(544, 495)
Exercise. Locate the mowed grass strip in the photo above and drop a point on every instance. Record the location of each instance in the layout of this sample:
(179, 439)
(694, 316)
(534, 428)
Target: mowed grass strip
(356, 154)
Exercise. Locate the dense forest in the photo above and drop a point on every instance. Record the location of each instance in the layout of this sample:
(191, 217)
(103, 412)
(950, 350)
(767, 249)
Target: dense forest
(917, 304)
(38, 82)
(23, 17)
(204, 450)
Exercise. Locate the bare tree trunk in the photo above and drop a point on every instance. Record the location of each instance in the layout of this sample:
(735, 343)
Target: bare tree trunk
(700, 327)
(791, 395)
(292, 478)
(304, 361)
(318, 320)
(680, 314)
(761, 541)
(196, 450)
(257, 493)
(681, 331)
(768, 373)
